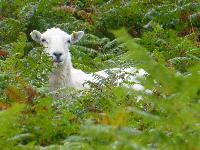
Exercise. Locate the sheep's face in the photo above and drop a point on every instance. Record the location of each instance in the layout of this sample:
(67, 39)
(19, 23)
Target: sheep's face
(56, 43)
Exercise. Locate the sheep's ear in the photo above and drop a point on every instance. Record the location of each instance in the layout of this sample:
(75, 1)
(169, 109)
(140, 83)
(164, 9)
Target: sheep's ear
(36, 35)
(76, 36)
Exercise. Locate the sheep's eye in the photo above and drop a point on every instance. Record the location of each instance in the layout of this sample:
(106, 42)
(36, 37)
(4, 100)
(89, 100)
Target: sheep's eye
(68, 41)
(43, 40)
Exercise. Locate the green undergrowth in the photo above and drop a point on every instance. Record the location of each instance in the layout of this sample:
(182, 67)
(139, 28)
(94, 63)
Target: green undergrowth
(160, 36)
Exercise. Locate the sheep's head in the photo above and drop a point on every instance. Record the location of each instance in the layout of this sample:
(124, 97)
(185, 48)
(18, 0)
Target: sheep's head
(56, 42)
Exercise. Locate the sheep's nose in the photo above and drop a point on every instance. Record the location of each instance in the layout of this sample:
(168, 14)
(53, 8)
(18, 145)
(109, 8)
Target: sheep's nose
(57, 54)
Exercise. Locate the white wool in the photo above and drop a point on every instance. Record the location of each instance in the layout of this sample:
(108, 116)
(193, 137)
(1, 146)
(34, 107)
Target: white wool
(64, 75)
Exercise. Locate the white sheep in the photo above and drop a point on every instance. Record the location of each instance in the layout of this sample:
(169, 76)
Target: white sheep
(56, 43)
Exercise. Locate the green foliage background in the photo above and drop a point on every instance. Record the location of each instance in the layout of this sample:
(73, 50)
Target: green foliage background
(161, 36)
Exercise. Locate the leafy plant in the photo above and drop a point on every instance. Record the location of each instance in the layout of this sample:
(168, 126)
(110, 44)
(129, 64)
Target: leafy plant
(160, 36)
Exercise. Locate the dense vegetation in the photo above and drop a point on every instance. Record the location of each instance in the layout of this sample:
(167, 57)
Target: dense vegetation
(160, 36)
